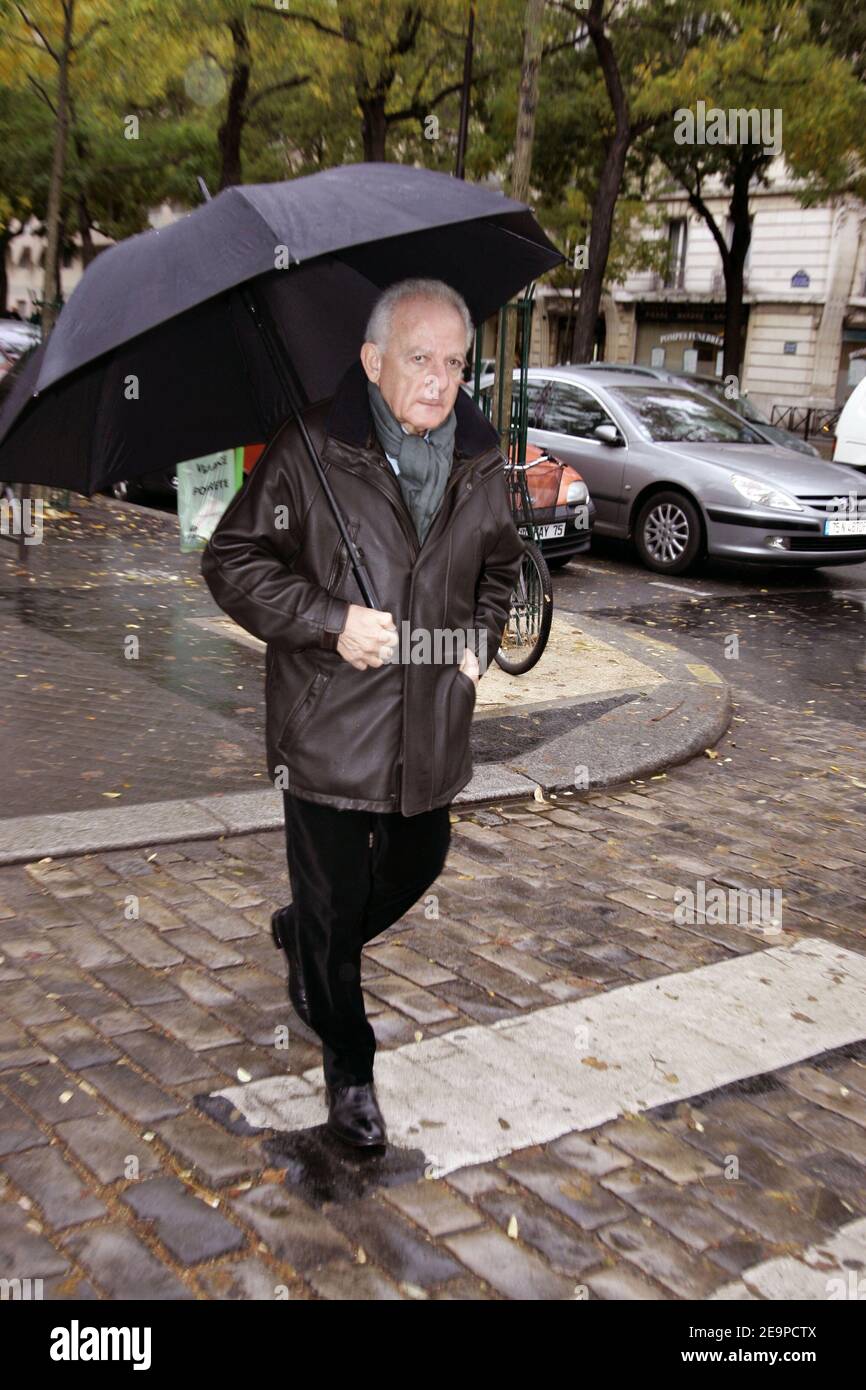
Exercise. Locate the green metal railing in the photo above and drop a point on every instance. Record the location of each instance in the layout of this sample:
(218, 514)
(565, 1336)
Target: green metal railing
(519, 420)
(521, 503)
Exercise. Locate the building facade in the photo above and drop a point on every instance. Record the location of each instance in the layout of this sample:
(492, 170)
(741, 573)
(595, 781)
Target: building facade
(25, 258)
(804, 340)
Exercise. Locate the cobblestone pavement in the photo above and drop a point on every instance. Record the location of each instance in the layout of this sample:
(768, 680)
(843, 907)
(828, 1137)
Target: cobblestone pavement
(122, 1179)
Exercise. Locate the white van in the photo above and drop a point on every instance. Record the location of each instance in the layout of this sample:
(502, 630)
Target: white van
(850, 444)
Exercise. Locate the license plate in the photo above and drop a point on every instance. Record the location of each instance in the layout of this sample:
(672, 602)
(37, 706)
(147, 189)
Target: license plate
(545, 533)
(845, 525)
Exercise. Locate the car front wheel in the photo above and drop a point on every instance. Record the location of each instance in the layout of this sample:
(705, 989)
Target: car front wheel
(667, 533)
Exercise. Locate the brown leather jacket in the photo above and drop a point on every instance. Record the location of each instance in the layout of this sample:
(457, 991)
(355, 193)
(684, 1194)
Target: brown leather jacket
(393, 737)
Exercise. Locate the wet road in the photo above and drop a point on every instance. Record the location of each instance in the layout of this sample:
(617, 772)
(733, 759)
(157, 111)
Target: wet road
(794, 637)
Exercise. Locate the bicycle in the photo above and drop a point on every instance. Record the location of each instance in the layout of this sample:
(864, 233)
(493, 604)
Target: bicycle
(528, 628)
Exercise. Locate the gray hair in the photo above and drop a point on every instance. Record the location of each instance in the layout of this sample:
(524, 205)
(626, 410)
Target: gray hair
(381, 319)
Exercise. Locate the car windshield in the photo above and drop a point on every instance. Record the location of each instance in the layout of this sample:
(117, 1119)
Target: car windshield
(674, 416)
(741, 404)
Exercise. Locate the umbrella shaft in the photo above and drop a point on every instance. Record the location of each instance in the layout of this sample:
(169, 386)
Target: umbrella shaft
(285, 370)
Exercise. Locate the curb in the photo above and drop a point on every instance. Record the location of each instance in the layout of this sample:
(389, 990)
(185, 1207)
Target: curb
(656, 727)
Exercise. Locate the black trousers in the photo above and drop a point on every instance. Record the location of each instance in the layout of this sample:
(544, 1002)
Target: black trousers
(353, 873)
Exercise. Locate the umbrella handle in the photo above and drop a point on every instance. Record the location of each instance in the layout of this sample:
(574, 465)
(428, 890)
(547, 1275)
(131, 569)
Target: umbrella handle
(288, 378)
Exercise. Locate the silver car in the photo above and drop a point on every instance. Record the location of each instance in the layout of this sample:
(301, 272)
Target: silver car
(682, 476)
(715, 386)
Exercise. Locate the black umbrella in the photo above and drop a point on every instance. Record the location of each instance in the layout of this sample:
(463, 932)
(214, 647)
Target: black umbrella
(209, 332)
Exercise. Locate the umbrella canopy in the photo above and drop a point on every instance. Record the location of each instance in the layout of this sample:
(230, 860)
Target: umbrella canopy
(156, 357)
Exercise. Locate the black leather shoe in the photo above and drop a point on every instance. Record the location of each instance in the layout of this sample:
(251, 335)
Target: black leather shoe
(354, 1115)
(283, 932)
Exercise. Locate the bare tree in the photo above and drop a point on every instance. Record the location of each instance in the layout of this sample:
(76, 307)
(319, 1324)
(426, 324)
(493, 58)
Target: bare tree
(62, 52)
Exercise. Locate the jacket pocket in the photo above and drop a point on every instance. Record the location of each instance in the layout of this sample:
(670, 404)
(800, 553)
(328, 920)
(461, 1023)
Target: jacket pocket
(461, 708)
(455, 708)
(302, 711)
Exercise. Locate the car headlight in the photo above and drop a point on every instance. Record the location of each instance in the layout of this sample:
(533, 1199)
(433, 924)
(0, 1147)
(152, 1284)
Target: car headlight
(576, 493)
(764, 494)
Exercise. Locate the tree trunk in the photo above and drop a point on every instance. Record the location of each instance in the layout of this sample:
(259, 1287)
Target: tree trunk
(521, 170)
(460, 166)
(58, 270)
(603, 209)
(82, 212)
(371, 94)
(568, 336)
(374, 126)
(58, 169)
(609, 185)
(734, 268)
(232, 128)
(88, 250)
(5, 238)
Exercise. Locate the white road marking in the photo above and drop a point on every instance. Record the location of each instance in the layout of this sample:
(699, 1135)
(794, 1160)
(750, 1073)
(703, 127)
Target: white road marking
(479, 1093)
(834, 1270)
(681, 589)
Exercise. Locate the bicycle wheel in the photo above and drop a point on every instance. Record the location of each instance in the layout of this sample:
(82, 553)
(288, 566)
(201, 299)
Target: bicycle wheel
(528, 628)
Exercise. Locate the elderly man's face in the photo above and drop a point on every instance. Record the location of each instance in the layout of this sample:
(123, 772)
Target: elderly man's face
(420, 371)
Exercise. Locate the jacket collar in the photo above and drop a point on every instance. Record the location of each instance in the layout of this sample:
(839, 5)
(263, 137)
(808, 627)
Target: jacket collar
(351, 419)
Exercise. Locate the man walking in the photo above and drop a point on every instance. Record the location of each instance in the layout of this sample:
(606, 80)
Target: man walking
(368, 712)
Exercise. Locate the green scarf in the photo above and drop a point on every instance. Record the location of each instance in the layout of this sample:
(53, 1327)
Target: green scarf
(424, 463)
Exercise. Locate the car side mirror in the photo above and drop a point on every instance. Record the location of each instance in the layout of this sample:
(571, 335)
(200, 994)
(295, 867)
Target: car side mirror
(608, 434)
